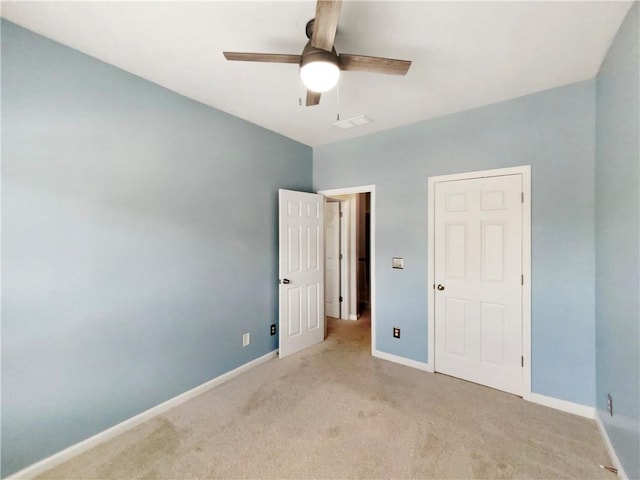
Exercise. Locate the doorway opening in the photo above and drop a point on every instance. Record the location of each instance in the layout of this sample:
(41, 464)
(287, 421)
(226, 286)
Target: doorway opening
(350, 255)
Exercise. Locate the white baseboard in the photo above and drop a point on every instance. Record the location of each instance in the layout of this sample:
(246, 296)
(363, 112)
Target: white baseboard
(54, 460)
(610, 450)
(353, 317)
(402, 361)
(564, 405)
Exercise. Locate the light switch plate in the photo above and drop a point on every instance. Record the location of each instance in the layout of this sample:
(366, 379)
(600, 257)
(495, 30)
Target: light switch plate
(397, 262)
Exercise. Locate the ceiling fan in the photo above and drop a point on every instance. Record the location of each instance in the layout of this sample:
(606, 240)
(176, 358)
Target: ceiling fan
(320, 64)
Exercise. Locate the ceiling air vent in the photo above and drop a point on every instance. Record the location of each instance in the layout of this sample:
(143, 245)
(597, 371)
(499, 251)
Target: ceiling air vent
(353, 122)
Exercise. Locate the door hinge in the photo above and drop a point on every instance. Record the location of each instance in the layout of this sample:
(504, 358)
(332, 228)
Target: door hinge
(341, 214)
(341, 256)
(434, 286)
(340, 299)
(521, 197)
(522, 362)
(522, 279)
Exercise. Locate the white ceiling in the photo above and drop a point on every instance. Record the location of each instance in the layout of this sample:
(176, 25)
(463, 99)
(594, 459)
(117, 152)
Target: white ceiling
(465, 54)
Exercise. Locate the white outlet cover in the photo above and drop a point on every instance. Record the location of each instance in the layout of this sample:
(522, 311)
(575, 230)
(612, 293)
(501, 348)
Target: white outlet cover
(246, 339)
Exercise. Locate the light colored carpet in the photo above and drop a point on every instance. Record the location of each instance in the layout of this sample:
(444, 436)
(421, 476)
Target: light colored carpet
(333, 411)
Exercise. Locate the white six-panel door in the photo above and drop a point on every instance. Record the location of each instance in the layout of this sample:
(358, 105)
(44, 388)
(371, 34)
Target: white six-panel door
(478, 268)
(301, 269)
(332, 259)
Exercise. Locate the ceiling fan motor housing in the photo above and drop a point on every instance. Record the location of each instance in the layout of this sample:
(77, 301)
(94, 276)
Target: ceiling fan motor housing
(312, 54)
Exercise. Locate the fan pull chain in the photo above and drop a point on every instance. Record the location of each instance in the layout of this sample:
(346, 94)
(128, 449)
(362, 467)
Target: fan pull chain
(338, 101)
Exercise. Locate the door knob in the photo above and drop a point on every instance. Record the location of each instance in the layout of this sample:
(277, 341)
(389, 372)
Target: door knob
(286, 281)
(440, 287)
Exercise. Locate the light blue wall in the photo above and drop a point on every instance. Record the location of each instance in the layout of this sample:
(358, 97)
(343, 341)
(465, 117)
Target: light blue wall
(552, 131)
(618, 242)
(139, 243)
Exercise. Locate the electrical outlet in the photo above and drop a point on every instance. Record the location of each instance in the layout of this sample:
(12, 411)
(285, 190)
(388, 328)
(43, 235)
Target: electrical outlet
(396, 332)
(246, 339)
(610, 404)
(273, 329)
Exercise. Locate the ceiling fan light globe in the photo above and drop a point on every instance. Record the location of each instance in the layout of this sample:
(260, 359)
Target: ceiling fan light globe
(319, 76)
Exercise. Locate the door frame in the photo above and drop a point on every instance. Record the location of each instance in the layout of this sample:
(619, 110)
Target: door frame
(525, 171)
(371, 189)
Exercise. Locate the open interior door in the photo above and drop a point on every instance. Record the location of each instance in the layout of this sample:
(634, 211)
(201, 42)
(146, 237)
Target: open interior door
(301, 226)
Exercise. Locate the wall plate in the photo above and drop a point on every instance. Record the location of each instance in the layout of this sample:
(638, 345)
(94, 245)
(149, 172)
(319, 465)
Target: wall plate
(397, 262)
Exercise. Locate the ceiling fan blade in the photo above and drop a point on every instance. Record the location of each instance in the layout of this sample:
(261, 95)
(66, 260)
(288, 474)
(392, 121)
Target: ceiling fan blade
(262, 57)
(325, 24)
(363, 63)
(313, 98)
